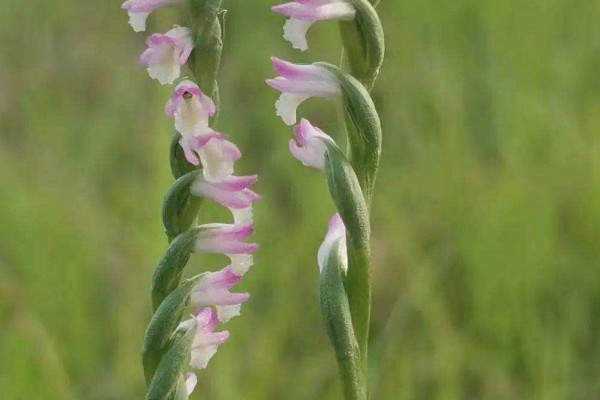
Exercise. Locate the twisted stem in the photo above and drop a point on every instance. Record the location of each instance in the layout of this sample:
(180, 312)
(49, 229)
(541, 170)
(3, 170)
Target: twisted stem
(346, 299)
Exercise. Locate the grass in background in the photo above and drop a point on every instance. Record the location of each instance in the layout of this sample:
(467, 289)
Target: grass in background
(486, 215)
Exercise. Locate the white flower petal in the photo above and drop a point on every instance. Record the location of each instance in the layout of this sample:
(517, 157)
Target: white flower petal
(225, 313)
(190, 382)
(137, 20)
(164, 65)
(294, 31)
(287, 105)
(201, 356)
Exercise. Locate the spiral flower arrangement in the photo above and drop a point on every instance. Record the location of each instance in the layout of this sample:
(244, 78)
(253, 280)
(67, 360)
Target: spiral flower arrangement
(344, 256)
(182, 335)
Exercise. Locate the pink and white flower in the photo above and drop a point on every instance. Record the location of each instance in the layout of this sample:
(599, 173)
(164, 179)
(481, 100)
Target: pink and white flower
(212, 290)
(228, 239)
(303, 13)
(297, 83)
(224, 239)
(205, 342)
(232, 192)
(191, 110)
(139, 10)
(217, 155)
(309, 146)
(167, 53)
(336, 236)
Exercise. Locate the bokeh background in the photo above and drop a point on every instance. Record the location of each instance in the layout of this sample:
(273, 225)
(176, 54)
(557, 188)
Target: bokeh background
(486, 215)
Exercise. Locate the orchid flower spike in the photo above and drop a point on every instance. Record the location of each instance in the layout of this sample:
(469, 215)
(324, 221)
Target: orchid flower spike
(303, 13)
(139, 10)
(205, 342)
(309, 145)
(336, 236)
(167, 53)
(297, 83)
(191, 110)
(212, 290)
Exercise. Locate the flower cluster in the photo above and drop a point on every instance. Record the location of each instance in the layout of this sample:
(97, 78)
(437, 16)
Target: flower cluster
(299, 82)
(165, 57)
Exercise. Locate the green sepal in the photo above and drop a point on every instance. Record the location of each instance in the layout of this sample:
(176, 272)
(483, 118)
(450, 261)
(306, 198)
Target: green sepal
(363, 40)
(171, 266)
(180, 208)
(167, 377)
(364, 129)
(162, 325)
(338, 322)
(348, 198)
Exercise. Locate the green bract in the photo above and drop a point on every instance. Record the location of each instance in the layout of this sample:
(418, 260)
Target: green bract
(364, 42)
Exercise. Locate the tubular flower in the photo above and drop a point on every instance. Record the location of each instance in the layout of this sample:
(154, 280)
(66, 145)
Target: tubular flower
(336, 236)
(205, 342)
(228, 239)
(167, 53)
(297, 83)
(224, 239)
(303, 13)
(232, 192)
(191, 110)
(139, 10)
(212, 289)
(309, 147)
(217, 155)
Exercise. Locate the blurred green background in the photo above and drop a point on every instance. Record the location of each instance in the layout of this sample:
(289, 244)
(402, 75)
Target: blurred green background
(486, 214)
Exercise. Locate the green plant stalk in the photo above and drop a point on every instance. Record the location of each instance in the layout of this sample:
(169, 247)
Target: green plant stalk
(338, 322)
(345, 300)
